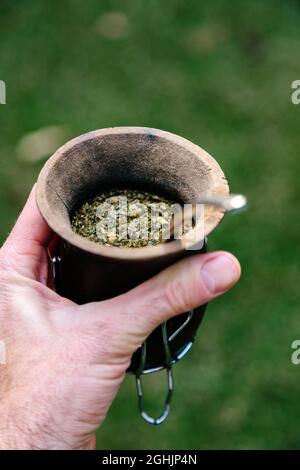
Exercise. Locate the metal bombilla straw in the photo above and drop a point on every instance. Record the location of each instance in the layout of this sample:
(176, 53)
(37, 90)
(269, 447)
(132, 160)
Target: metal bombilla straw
(232, 203)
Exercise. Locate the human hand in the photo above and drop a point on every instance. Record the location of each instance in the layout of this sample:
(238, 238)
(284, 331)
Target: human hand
(64, 362)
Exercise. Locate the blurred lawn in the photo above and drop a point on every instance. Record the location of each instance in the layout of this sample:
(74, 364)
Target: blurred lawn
(218, 73)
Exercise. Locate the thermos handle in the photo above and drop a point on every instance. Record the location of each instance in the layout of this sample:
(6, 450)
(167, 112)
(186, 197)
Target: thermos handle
(139, 373)
(169, 363)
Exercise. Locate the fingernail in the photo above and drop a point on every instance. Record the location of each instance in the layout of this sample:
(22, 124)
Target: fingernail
(219, 273)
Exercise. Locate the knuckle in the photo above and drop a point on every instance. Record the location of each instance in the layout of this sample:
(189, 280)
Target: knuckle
(177, 296)
(7, 259)
(102, 336)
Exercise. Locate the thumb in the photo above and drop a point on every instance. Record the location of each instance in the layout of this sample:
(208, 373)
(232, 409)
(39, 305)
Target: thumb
(194, 281)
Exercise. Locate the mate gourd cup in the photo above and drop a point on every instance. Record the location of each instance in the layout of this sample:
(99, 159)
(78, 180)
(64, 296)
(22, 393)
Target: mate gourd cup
(134, 158)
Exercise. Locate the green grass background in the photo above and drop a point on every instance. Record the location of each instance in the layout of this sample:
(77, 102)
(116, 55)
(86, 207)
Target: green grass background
(218, 73)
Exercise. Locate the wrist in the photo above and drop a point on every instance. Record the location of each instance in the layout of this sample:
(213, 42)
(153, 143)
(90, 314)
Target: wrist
(22, 430)
(12, 436)
(19, 433)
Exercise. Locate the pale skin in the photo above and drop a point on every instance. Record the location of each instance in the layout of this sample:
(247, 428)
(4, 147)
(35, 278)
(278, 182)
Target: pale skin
(64, 362)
